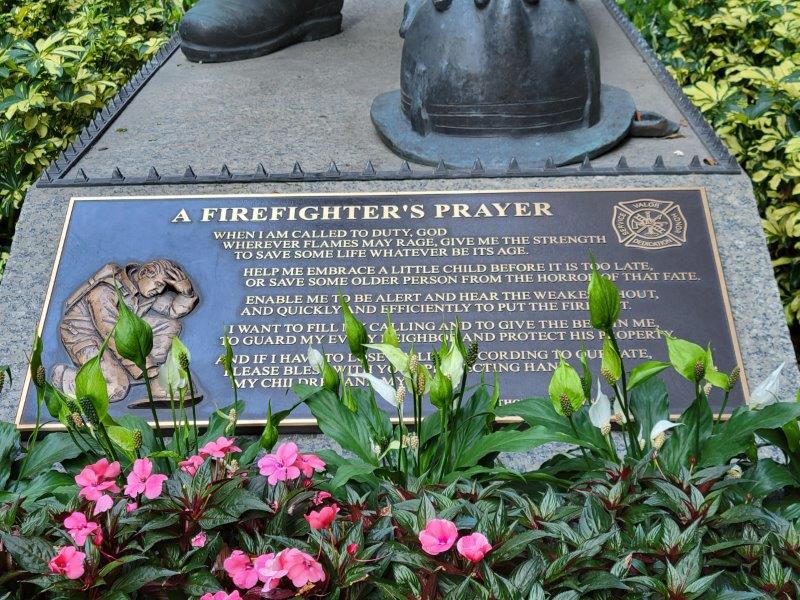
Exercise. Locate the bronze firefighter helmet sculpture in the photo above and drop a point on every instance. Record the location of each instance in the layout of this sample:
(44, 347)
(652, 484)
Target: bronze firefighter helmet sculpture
(496, 79)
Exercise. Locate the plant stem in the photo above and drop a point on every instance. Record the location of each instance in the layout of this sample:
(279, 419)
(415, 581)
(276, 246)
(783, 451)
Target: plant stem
(152, 403)
(723, 407)
(194, 410)
(33, 438)
(634, 447)
(577, 436)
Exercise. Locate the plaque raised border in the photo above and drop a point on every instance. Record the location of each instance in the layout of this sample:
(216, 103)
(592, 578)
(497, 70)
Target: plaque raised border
(304, 424)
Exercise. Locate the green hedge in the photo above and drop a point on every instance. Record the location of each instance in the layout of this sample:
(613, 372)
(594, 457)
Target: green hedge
(739, 61)
(60, 62)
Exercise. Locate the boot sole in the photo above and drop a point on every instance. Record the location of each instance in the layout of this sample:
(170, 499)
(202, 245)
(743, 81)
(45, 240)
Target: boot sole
(307, 31)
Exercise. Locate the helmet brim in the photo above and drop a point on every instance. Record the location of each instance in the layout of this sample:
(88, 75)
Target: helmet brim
(531, 150)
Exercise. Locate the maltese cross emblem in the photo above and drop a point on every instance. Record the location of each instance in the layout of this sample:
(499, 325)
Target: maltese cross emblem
(649, 224)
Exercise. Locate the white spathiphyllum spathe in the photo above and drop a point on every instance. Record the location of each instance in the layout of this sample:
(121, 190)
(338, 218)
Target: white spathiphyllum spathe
(383, 388)
(600, 411)
(452, 365)
(767, 391)
(316, 359)
(396, 357)
(658, 435)
(171, 376)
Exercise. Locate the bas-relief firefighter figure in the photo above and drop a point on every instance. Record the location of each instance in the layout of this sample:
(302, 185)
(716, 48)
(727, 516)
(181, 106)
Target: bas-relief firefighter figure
(159, 291)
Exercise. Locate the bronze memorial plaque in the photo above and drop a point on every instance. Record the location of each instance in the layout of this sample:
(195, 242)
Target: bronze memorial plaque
(265, 269)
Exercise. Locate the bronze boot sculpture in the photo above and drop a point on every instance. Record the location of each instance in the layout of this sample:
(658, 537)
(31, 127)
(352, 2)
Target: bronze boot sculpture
(227, 30)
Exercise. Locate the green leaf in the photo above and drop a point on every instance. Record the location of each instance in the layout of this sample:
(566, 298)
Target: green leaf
(644, 371)
(769, 477)
(90, 383)
(686, 441)
(355, 469)
(511, 440)
(348, 429)
(133, 336)
(139, 577)
(9, 447)
(604, 301)
(649, 404)
(53, 448)
(685, 356)
(122, 438)
(736, 435)
(396, 357)
(32, 554)
(565, 382)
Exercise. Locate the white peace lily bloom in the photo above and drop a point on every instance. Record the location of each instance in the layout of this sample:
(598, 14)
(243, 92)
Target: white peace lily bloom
(658, 435)
(452, 365)
(170, 375)
(316, 359)
(661, 427)
(767, 391)
(600, 411)
(382, 387)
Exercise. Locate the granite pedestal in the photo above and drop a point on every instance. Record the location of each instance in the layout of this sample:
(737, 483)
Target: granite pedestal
(310, 104)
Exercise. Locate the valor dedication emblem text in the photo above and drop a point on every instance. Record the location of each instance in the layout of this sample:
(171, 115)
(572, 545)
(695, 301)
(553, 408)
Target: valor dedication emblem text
(649, 224)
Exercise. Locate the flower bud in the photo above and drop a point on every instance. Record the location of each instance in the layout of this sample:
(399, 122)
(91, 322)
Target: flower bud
(472, 354)
(699, 370)
(642, 444)
(658, 440)
(183, 361)
(389, 333)
(707, 389)
(40, 377)
(566, 405)
(400, 396)
(410, 441)
(89, 411)
(565, 382)
(605, 430)
(137, 439)
(355, 331)
(330, 378)
(735, 472)
(422, 378)
(608, 377)
(734, 378)
(77, 420)
(441, 392)
(604, 302)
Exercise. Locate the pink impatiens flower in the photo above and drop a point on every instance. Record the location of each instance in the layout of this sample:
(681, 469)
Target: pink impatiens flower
(97, 479)
(473, 547)
(280, 466)
(68, 562)
(222, 595)
(308, 463)
(241, 570)
(142, 481)
(438, 536)
(80, 528)
(219, 448)
(301, 568)
(320, 497)
(191, 464)
(322, 519)
(199, 540)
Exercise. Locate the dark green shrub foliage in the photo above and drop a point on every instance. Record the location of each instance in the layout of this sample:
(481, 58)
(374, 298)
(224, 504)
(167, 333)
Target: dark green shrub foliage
(60, 62)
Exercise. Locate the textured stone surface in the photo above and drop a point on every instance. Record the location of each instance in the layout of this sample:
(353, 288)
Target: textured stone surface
(312, 102)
